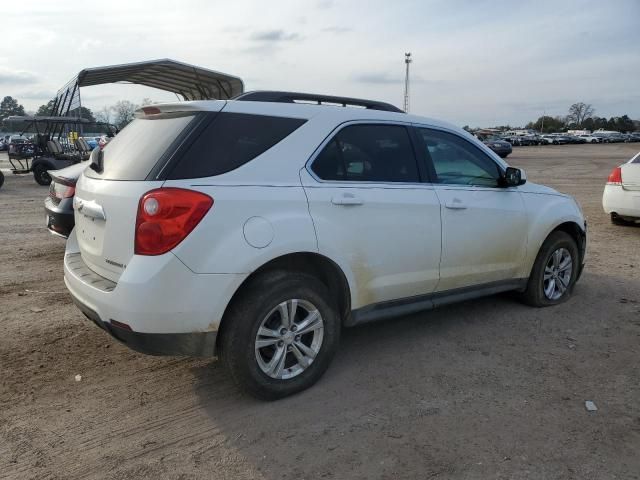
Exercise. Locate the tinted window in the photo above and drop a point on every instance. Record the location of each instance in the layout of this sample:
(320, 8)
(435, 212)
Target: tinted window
(368, 153)
(231, 140)
(458, 162)
(132, 153)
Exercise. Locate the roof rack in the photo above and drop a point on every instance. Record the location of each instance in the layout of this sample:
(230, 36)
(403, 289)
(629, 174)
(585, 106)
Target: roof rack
(294, 97)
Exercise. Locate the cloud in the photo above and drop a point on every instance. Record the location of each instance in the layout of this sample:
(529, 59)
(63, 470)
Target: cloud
(17, 77)
(36, 95)
(378, 78)
(274, 36)
(336, 29)
(324, 4)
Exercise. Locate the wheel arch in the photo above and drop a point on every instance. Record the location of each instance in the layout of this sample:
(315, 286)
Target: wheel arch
(312, 263)
(574, 231)
(571, 228)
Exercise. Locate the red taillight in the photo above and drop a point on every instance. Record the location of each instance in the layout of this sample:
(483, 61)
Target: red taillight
(60, 190)
(166, 216)
(615, 177)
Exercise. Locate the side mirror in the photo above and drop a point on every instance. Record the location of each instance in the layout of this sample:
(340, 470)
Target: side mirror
(514, 177)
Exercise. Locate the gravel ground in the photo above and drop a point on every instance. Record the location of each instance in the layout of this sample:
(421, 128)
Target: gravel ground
(483, 389)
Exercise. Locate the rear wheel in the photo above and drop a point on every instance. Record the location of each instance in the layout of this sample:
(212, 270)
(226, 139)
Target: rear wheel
(41, 175)
(617, 220)
(554, 272)
(280, 336)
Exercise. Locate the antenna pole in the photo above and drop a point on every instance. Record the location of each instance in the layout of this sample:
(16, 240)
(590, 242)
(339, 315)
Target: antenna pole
(407, 61)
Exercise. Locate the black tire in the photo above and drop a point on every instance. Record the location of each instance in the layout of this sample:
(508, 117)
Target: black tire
(41, 175)
(244, 317)
(534, 294)
(616, 220)
(1, 179)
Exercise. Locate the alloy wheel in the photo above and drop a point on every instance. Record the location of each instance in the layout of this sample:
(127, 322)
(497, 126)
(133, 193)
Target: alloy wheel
(289, 339)
(557, 274)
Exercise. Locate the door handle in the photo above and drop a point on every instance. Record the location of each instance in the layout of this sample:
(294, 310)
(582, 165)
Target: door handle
(347, 199)
(455, 204)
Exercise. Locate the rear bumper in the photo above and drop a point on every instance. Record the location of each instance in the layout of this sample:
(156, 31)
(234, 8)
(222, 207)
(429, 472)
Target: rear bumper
(170, 309)
(625, 203)
(195, 344)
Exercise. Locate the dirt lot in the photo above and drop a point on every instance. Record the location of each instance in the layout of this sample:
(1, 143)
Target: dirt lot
(485, 389)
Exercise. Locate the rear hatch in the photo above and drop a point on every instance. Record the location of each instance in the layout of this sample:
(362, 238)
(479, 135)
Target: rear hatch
(108, 192)
(631, 174)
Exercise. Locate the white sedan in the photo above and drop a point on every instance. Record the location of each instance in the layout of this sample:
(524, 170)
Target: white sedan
(621, 198)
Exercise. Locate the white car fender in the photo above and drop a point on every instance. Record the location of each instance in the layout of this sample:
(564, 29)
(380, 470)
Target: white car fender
(248, 226)
(545, 213)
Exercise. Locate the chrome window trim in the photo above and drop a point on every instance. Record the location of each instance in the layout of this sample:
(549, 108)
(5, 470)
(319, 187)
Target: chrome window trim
(351, 183)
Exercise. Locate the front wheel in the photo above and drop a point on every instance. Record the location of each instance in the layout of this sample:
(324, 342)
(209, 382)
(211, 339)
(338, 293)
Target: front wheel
(41, 175)
(554, 273)
(280, 335)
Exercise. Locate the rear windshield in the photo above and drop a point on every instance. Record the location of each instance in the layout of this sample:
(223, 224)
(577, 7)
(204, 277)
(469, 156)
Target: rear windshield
(133, 153)
(229, 141)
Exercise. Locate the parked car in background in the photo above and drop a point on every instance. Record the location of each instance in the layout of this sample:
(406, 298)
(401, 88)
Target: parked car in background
(609, 137)
(588, 138)
(576, 139)
(498, 145)
(630, 137)
(549, 140)
(248, 240)
(20, 147)
(621, 197)
(91, 141)
(58, 205)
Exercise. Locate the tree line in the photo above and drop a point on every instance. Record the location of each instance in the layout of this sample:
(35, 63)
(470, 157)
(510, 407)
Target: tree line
(118, 114)
(581, 117)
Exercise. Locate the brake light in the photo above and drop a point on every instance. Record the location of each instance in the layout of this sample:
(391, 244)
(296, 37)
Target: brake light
(151, 110)
(615, 177)
(60, 190)
(166, 216)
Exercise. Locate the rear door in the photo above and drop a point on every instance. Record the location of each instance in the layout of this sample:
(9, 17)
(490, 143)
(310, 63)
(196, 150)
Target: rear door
(484, 226)
(106, 201)
(372, 210)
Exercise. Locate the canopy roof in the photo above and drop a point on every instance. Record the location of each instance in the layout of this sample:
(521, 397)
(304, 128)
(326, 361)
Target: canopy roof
(189, 81)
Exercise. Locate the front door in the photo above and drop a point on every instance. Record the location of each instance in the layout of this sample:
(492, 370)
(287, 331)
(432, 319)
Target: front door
(484, 225)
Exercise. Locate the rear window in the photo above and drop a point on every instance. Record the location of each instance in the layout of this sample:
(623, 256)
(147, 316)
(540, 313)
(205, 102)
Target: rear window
(133, 153)
(229, 141)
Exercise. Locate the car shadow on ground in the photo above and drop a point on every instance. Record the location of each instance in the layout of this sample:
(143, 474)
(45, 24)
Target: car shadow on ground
(435, 365)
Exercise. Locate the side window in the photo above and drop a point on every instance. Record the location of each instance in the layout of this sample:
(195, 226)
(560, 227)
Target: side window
(368, 153)
(230, 141)
(458, 162)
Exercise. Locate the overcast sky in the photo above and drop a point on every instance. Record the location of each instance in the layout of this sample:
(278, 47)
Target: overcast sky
(480, 63)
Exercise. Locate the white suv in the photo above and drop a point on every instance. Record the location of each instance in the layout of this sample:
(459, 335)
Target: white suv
(254, 229)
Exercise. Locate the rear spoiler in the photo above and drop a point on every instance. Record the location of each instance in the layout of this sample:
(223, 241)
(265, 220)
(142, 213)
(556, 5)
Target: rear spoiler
(180, 107)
